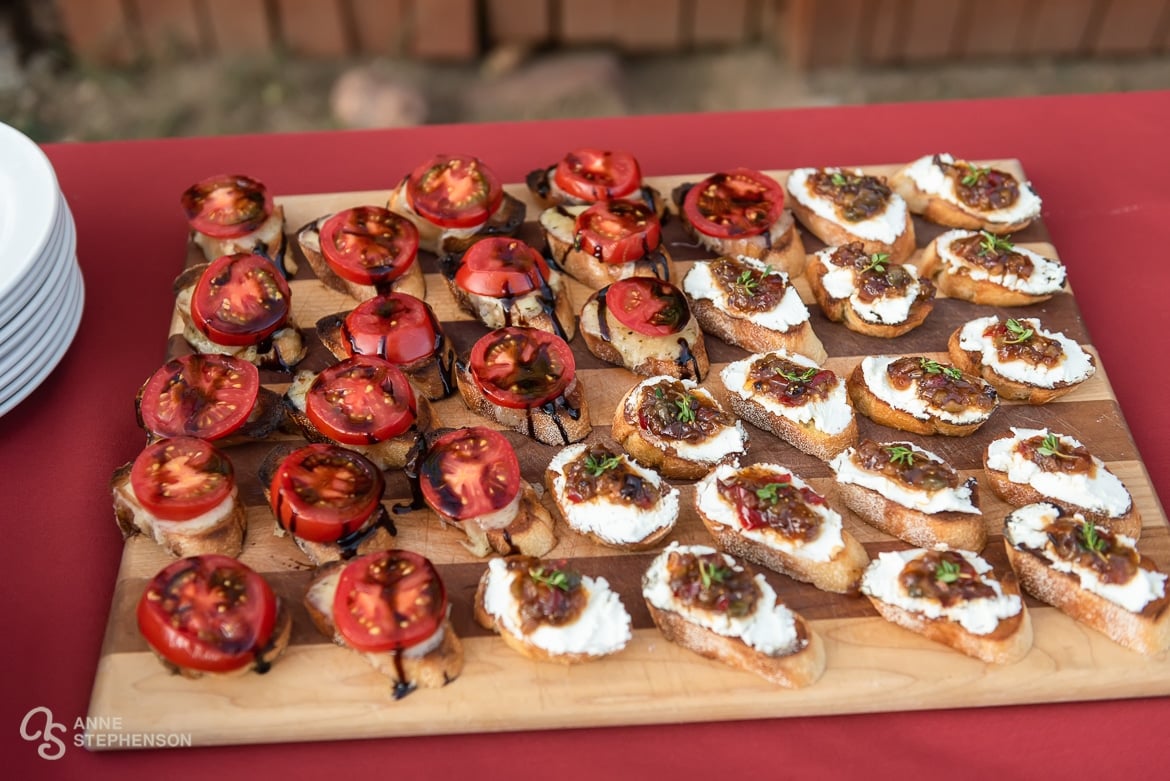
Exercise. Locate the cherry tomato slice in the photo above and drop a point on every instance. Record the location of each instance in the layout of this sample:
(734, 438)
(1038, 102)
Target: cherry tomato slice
(740, 202)
(618, 231)
(369, 245)
(205, 396)
(647, 305)
(324, 492)
(226, 206)
(398, 327)
(522, 368)
(360, 401)
(501, 267)
(181, 478)
(596, 175)
(469, 472)
(240, 299)
(208, 613)
(454, 191)
(388, 601)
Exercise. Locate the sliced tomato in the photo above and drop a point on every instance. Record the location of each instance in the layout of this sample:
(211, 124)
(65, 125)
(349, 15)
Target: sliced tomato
(501, 267)
(397, 327)
(181, 478)
(324, 492)
(360, 401)
(240, 299)
(227, 206)
(369, 245)
(205, 396)
(469, 473)
(388, 601)
(618, 231)
(522, 368)
(739, 202)
(648, 305)
(454, 191)
(208, 613)
(596, 175)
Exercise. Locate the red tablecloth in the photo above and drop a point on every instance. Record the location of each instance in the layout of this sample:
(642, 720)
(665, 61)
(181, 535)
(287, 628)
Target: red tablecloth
(1100, 163)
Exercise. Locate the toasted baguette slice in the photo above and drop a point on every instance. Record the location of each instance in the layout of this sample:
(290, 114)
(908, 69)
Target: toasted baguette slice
(559, 225)
(776, 320)
(876, 402)
(929, 191)
(836, 275)
(681, 354)
(948, 515)
(432, 664)
(819, 422)
(547, 193)
(530, 533)
(568, 422)
(504, 221)
(1135, 614)
(782, 648)
(630, 507)
(957, 277)
(889, 231)
(974, 352)
(267, 240)
(832, 560)
(309, 238)
(999, 634)
(649, 444)
(1020, 480)
(601, 626)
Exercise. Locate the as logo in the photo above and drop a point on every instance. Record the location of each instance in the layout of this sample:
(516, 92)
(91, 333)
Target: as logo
(48, 731)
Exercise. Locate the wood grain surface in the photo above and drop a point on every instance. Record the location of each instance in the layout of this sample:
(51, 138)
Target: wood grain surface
(318, 691)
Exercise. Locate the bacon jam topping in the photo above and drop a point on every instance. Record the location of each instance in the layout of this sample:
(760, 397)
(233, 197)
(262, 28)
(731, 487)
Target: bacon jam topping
(748, 288)
(1052, 454)
(905, 464)
(856, 197)
(705, 581)
(549, 593)
(1093, 548)
(764, 498)
(600, 472)
(1017, 340)
(944, 576)
(874, 275)
(670, 410)
(986, 189)
(995, 254)
(790, 383)
(940, 386)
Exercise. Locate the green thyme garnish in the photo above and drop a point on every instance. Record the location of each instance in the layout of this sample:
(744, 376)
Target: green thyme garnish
(990, 244)
(748, 281)
(901, 455)
(770, 492)
(710, 572)
(686, 413)
(1050, 446)
(804, 376)
(934, 367)
(947, 572)
(554, 578)
(877, 262)
(658, 394)
(596, 467)
(838, 179)
(1018, 331)
(1091, 540)
(974, 174)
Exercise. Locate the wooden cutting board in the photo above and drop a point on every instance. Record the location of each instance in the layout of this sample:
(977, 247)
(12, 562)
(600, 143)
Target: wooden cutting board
(318, 691)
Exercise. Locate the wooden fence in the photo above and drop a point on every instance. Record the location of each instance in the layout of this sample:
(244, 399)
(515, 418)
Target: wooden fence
(811, 33)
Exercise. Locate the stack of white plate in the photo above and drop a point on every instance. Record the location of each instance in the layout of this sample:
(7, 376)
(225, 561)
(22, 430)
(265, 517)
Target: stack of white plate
(41, 290)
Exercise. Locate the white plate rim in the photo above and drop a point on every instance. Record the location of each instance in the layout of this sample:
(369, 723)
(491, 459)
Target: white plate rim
(23, 289)
(15, 363)
(34, 207)
(14, 322)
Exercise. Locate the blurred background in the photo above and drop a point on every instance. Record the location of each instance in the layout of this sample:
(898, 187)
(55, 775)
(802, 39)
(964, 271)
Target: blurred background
(110, 69)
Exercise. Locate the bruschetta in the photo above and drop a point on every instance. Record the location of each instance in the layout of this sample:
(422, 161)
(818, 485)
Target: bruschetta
(845, 205)
(232, 213)
(868, 292)
(962, 194)
(984, 268)
(920, 395)
(586, 176)
(611, 240)
(363, 252)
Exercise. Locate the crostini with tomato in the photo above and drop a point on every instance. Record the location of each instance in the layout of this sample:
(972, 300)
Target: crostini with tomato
(363, 403)
(586, 176)
(607, 241)
(526, 379)
(212, 615)
(645, 325)
(470, 477)
(391, 608)
(329, 498)
(363, 252)
(503, 282)
(401, 329)
(232, 213)
(239, 305)
(741, 212)
(454, 201)
(181, 493)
